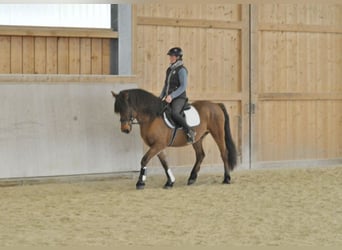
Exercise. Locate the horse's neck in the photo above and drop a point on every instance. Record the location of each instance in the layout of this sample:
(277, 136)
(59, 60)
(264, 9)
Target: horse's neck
(144, 119)
(150, 127)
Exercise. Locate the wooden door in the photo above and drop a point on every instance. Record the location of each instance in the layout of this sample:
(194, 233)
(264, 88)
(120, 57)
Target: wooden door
(297, 84)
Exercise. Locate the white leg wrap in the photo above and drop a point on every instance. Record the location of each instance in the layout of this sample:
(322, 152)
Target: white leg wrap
(172, 177)
(143, 177)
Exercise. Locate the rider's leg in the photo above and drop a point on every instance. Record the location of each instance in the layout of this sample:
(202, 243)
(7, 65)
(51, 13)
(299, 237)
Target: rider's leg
(176, 107)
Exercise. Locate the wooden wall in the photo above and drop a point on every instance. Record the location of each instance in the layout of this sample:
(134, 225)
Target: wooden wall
(295, 70)
(297, 82)
(33, 50)
(215, 55)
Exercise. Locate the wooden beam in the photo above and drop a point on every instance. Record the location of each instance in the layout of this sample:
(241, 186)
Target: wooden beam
(300, 28)
(56, 32)
(297, 163)
(216, 96)
(196, 23)
(54, 78)
(299, 96)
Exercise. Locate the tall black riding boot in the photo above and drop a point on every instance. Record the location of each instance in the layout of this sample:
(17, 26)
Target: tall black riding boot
(190, 133)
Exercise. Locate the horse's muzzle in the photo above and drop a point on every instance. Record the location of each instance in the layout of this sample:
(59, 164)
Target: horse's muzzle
(126, 128)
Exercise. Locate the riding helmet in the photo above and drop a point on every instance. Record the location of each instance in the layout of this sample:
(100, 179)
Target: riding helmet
(176, 51)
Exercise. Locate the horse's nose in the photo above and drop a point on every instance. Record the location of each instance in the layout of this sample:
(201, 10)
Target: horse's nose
(125, 128)
(125, 131)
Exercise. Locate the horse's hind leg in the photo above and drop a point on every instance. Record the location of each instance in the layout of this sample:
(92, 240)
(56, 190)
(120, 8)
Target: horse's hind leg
(170, 177)
(219, 137)
(199, 158)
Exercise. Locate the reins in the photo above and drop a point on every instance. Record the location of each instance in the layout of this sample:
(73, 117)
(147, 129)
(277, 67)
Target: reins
(134, 121)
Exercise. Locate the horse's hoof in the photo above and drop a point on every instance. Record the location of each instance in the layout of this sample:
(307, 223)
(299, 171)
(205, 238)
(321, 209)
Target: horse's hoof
(140, 186)
(168, 185)
(226, 181)
(191, 181)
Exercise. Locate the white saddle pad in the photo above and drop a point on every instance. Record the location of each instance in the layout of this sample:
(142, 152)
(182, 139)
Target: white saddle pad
(192, 118)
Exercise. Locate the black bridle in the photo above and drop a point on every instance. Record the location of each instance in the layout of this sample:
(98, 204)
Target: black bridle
(131, 120)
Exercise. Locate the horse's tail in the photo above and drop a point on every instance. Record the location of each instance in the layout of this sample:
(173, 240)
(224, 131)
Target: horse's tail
(232, 154)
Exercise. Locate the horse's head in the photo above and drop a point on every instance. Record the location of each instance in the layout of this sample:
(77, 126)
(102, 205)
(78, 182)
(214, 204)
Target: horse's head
(122, 107)
(136, 104)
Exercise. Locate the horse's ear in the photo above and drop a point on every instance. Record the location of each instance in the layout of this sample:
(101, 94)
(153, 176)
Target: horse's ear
(114, 95)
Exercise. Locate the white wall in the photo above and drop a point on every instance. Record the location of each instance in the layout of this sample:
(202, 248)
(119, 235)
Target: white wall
(125, 38)
(63, 129)
(60, 15)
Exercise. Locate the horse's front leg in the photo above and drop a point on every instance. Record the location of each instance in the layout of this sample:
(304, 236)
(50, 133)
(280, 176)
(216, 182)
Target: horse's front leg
(147, 157)
(170, 177)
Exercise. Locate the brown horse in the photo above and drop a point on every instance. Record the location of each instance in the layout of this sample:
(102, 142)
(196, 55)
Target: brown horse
(146, 109)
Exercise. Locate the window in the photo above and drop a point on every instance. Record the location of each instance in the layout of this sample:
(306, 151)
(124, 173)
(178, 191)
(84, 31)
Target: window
(56, 15)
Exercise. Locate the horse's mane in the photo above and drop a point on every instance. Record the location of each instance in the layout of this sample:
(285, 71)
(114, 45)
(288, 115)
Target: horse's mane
(141, 101)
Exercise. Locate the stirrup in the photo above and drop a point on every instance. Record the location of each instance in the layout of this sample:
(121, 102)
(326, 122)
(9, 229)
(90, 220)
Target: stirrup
(191, 136)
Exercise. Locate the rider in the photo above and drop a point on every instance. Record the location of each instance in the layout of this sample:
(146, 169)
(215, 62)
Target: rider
(174, 90)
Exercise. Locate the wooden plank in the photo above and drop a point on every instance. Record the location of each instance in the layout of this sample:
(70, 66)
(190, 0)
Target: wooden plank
(305, 131)
(105, 56)
(322, 63)
(254, 84)
(148, 55)
(40, 55)
(194, 23)
(301, 13)
(57, 32)
(28, 55)
(51, 55)
(302, 73)
(155, 54)
(85, 56)
(272, 137)
(300, 28)
(299, 96)
(321, 162)
(62, 78)
(139, 48)
(203, 75)
(215, 60)
(74, 55)
(244, 73)
(322, 126)
(96, 56)
(188, 10)
(16, 55)
(291, 68)
(5, 52)
(216, 96)
(63, 55)
(334, 142)
(334, 74)
(222, 11)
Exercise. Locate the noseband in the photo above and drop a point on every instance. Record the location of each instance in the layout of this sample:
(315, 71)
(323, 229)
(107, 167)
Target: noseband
(130, 121)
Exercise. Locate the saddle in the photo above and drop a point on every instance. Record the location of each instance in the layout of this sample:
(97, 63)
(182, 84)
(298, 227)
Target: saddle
(189, 112)
(191, 115)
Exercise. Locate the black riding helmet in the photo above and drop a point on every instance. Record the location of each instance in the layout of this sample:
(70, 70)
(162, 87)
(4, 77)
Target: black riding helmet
(176, 51)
